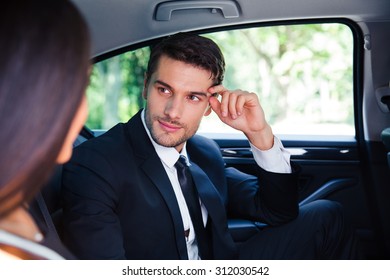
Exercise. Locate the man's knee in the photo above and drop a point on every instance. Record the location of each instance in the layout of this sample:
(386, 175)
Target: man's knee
(333, 232)
(323, 211)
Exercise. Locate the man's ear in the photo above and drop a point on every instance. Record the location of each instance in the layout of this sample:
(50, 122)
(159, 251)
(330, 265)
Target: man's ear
(145, 93)
(145, 89)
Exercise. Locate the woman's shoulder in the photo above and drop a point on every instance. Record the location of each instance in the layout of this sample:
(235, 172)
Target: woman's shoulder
(16, 247)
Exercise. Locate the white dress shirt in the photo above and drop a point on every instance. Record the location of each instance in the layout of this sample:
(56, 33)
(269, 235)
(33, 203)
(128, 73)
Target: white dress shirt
(276, 159)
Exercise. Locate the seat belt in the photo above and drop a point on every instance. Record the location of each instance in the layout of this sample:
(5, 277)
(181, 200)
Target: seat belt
(52, 231)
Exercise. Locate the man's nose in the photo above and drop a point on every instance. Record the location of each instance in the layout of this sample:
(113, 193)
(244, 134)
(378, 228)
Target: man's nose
(174, 107)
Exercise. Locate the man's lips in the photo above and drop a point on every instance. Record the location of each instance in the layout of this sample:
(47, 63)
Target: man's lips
(169, 127)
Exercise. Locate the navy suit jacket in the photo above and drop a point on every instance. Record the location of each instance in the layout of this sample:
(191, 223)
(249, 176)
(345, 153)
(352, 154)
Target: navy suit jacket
(119, 202)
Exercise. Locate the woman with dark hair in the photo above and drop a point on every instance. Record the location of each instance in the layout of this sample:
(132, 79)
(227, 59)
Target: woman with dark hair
(44, 71)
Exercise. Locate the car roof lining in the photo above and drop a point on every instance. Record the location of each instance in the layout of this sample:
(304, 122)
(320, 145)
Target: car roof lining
(112, 26)
(149, 42)
(116, 28)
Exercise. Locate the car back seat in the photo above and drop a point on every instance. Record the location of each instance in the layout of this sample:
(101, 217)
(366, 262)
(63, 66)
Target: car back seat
(46, 209)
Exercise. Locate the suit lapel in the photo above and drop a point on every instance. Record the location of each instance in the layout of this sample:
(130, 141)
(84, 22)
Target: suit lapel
(160, 179)
(153, 168)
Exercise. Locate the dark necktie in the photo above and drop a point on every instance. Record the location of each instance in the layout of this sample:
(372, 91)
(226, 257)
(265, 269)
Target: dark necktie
(192, 200)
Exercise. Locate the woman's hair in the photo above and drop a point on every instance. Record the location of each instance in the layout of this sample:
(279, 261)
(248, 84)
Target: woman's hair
(44, 70)
(191, 49)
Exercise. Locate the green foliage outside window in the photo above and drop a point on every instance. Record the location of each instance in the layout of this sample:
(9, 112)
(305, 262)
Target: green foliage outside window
(302, 74)
(115, 91)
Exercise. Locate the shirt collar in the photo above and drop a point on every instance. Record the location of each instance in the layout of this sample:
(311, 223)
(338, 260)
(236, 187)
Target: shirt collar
(168, 156)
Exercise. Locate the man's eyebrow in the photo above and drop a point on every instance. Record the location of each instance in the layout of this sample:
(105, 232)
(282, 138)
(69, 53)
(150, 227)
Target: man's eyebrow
(201, 93)
(163, 84)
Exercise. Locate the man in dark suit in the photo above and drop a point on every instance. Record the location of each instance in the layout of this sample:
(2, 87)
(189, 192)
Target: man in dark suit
(122, 190)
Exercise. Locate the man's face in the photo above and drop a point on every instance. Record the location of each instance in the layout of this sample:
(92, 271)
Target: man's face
(177, 99)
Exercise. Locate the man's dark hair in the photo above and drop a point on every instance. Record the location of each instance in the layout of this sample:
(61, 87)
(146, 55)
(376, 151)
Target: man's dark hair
(191, 49)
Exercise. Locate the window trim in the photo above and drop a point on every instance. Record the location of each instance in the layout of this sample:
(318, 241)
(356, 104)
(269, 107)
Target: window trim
(357, 69)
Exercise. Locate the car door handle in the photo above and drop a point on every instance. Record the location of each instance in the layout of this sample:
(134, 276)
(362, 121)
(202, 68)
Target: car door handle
(228, 8)
(237, 152)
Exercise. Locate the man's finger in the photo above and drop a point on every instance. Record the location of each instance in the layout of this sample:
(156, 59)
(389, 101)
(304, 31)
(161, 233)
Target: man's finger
(215, 105)
(232, 105)
(217, 89)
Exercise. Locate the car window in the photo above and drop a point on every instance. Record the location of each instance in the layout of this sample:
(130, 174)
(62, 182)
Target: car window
(302, 73)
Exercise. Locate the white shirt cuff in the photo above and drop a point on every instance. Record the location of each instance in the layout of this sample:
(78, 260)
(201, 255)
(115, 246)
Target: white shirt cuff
(276, 159)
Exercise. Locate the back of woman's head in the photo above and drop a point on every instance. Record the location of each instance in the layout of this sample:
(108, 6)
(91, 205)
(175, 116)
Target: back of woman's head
(44, 66)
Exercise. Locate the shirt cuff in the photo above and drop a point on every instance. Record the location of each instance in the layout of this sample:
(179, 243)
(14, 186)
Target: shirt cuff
(276, 159)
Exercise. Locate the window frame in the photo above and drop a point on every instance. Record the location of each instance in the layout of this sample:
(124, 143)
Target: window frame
(357, 83)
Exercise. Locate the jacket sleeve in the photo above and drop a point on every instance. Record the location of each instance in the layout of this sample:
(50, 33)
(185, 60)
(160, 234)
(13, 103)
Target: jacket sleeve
(270, 198)
(267, 197)
(91, 229)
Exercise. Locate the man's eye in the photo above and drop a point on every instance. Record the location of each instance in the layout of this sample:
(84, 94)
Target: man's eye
(163, 90)
(193, 98)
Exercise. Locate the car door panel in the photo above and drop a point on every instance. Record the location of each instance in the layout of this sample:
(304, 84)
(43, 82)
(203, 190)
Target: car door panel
(329, 170)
